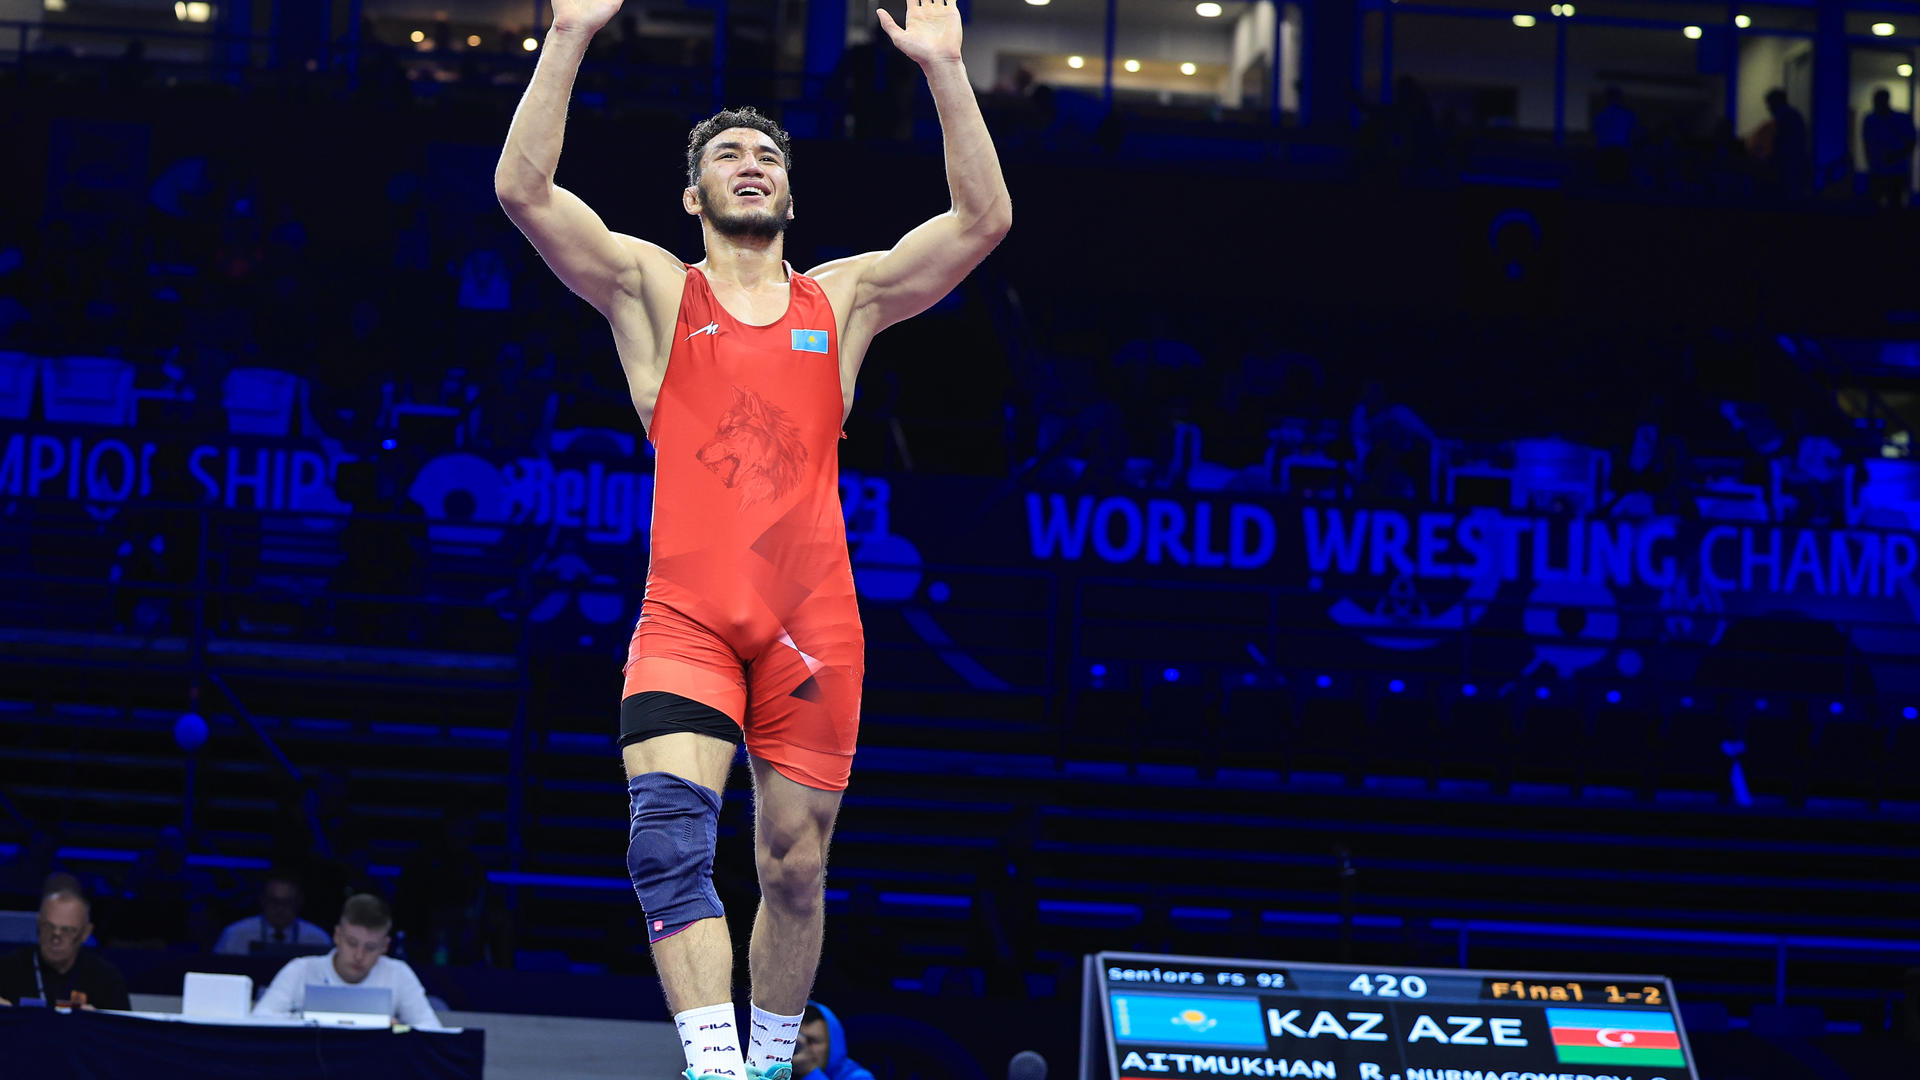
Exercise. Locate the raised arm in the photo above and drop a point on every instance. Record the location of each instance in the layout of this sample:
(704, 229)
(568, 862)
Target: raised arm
(933, 257)
(593, 261)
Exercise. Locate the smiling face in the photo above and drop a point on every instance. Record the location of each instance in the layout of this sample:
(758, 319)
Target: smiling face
(742, 189)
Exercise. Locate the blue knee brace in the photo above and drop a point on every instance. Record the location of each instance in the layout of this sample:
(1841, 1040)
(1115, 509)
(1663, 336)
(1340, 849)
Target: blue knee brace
(676, 824)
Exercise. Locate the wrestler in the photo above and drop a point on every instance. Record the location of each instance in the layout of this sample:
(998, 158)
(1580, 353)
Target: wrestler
(742, 372)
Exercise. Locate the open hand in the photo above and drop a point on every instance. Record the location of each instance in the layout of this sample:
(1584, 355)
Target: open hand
(583, 16)
(932, 33)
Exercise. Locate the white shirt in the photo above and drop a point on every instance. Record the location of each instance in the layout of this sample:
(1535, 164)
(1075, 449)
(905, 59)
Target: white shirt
(288, 994)
(235, 940)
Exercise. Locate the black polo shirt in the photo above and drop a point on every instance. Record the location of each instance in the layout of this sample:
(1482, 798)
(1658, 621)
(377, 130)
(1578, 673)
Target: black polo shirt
(103, 984)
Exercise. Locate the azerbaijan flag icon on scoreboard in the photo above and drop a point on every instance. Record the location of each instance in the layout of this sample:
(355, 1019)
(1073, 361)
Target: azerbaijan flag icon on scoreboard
(1195, 1021)
(1614, 1037)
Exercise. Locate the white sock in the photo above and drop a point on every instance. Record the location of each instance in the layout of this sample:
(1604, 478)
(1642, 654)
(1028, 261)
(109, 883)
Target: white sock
(773, 1038)
(711, 1038)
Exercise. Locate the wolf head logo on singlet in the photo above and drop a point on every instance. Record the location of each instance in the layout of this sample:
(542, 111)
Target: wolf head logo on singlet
(755, 449)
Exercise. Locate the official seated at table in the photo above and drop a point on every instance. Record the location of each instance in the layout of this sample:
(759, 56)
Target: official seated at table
(278, 924)
(359, 958)
(59, 966)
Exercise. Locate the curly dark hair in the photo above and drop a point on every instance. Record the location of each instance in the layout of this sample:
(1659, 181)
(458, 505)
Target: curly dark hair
(744, 117)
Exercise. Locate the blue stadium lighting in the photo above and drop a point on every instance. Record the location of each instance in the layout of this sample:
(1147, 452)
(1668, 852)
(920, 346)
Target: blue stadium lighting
(1396, 686)
(939, 591)
(1249, 678)
(1686, 703)
(1090, 907)
(1172, 674)
(1098, 671)
(1760, 703)
(926, 900)
(1613, 697)
(1910, 712)
(389, 444)
(1323, 681)
(1542, 693)
(1468, 690)
(1836, 708)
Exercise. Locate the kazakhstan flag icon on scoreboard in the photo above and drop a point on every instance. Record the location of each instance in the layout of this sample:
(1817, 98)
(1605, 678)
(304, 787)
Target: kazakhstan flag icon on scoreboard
(1194, 1020)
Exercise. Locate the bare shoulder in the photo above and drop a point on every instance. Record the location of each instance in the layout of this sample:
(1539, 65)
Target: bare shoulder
(840, 279)
(653, 262)
(653, 291)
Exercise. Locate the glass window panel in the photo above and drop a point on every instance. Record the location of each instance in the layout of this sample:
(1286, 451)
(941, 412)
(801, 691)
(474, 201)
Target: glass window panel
(1158, 42)
(1904, 24)
(1488, 5)
(1675, 85)
(1769, 63)
(1656, 10)
(1779, 16)
(1874, 70)
(175, 43)
(657, 54)
(1007, 37)
(1478, 73)
(1659, 10)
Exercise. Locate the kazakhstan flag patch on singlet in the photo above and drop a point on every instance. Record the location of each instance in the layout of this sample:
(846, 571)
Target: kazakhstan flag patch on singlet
(810, 341)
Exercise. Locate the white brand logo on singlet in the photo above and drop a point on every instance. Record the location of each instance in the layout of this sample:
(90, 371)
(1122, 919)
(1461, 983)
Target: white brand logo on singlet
(712, 329)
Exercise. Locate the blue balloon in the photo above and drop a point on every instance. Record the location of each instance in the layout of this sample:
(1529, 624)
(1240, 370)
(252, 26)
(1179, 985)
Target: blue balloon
(190, 731)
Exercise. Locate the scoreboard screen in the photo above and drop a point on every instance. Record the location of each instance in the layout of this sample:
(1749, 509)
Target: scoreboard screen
(1198, 1018)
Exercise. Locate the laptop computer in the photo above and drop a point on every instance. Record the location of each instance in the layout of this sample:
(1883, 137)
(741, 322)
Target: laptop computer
(216, 997)
(349, 1006)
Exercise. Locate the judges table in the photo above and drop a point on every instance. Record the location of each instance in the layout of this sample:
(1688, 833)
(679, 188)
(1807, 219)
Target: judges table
(101, 1045)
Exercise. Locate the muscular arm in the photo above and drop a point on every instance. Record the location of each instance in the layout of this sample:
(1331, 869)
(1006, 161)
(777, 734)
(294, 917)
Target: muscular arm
(593, 261)
(933, 258)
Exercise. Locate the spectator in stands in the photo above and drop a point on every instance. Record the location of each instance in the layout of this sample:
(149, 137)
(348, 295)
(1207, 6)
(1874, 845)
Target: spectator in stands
(1888, 139)
(1812, 469)
(59, 968)
(822, 1047)
(359, 958)
(279, 921)
(1644, 477)
(1393, 448)
(1781, 146)
(1616, 128)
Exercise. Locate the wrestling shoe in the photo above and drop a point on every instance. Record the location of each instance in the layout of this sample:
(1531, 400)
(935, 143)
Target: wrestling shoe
(782, 1071)
(690, 1075)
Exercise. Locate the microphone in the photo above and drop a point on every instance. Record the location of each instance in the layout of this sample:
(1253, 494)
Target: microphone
(1027, 1065)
